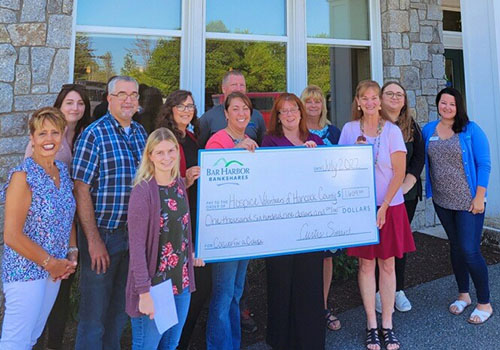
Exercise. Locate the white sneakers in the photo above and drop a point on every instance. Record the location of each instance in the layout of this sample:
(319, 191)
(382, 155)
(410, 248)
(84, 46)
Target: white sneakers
(402, 303)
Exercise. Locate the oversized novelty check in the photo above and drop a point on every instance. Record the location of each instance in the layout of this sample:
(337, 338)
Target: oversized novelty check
(284, 200)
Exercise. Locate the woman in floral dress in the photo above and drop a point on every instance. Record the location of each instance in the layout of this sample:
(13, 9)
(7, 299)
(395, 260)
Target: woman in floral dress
(160, 242)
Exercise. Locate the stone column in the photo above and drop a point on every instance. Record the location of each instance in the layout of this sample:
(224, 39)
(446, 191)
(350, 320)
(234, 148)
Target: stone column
(35, 41)
(412, 43)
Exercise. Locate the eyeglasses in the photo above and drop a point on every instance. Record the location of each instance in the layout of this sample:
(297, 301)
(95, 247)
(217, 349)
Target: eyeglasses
(122, 96)
(289, 111)
(396, 95)
(182, 108)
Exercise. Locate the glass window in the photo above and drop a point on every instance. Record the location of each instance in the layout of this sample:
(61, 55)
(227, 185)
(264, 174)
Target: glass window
(452, 21)
(262, 63)
(157, 14)
(338, 19)
(337, 71)
(247, 17)
(151, 60)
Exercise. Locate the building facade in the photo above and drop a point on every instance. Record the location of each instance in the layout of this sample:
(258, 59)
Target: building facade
(280, 45)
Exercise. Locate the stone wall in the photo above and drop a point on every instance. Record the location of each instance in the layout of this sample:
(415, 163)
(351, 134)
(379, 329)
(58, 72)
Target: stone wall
(412, 43)
(35, 40)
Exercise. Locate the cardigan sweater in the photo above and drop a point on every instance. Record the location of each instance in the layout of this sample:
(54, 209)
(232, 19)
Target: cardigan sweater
(475, 156)
(144, 228)
(415, 159)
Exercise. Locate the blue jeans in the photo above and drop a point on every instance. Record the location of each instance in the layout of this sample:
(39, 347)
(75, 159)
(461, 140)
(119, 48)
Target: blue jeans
(145, 335)
(223, 324)
(464, 231)
(102, 296)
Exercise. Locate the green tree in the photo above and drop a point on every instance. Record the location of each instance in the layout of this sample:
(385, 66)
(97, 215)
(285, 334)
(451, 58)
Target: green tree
(318, 66)
(84, 57)
(130, 66)
(217, 27)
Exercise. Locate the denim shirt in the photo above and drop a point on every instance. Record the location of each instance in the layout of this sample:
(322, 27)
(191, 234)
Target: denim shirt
(475, 156)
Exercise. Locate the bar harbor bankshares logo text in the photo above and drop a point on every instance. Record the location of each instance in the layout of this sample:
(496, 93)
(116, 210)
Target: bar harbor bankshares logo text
(230, 172)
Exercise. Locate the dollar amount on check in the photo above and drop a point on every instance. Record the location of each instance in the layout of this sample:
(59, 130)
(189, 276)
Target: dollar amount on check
(278, 201)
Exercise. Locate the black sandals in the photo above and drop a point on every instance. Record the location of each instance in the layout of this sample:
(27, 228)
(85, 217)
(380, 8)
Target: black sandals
(390, 338)
(372, 338)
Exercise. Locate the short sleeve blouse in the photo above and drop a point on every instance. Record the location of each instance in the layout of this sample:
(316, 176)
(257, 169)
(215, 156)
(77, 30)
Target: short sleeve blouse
(391, 140)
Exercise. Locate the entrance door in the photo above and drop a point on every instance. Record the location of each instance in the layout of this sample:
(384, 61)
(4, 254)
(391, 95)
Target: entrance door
(454, 69)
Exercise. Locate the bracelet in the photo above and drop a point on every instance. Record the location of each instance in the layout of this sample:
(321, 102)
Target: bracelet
(72, 250)
(45, 262)
(386, 202)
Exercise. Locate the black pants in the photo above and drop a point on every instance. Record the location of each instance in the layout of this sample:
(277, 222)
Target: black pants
(400, 263)
(203, 280)
(295, 310)
(56, 323)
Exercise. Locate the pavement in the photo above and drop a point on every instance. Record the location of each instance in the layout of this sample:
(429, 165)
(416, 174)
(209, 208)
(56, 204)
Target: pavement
(429, 325)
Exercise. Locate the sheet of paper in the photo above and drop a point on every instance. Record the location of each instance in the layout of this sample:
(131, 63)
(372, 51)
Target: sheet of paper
(164, 303)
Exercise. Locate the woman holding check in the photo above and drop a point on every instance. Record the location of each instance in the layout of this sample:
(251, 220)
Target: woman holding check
(295, 317)
(39, 233)
(370, 126)
(160, 242)
(228, 278)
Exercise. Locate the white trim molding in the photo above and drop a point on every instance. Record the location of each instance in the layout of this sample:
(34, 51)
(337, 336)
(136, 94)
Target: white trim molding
(452, 40)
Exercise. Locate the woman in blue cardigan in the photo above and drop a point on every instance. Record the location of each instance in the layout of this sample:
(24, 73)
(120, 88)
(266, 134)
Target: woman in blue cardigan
(457, 159)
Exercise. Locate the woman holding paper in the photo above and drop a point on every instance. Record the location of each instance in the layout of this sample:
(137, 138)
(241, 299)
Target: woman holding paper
(371, 126)
(179, 114)
(160, 242)
(228, 278)
(295, 311)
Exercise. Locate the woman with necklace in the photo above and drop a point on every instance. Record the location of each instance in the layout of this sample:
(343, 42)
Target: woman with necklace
(228, 278)
(295, 308)
(38, 231)
(371, 126)
(458, 166)
(317, 122)
(160, 242)
(74, 103)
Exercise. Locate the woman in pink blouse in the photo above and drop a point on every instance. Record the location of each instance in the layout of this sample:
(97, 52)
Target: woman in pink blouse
(370, 126)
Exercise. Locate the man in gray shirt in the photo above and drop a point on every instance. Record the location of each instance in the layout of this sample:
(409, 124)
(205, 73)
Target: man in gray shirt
(214, 119)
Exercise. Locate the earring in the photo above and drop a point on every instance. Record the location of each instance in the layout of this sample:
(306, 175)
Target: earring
(279, 121)
(359, 107)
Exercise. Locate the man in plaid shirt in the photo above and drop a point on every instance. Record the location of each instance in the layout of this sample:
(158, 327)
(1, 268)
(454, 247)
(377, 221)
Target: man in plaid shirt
(107, 154)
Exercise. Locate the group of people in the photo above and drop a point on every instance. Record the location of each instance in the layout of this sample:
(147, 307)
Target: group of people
(104, 195)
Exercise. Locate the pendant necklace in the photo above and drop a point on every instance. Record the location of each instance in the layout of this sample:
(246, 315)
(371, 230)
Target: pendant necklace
(376, 143)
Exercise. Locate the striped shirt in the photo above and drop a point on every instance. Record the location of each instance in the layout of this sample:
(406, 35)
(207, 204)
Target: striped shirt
(106, 158)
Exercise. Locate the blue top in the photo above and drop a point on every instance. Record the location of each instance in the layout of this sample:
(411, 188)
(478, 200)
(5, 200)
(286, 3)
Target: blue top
(106, 158)
(48, 222)
(475, 156)
(330, 134)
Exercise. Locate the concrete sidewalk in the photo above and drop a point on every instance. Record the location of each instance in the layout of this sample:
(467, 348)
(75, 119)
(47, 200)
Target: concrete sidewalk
(428, 325)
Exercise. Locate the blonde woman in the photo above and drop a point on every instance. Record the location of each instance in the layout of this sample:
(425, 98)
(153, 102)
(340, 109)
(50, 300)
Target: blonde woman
(39, 233)
(316, 115)
(371, 126)
(160, 241)
(318, 124)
